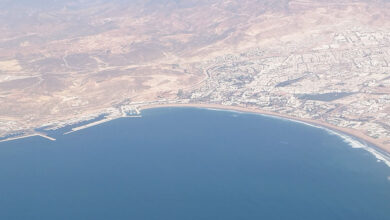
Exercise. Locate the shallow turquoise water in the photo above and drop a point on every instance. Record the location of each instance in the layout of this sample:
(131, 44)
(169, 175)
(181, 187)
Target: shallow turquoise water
(192, 164)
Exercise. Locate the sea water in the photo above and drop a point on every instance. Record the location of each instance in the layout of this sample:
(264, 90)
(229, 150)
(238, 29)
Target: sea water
(187, 163)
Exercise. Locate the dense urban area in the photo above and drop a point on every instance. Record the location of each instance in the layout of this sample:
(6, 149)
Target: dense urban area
(332, 68)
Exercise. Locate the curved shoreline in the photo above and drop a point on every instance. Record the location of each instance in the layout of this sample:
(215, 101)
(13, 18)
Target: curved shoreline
(345, 133)
(356, 139)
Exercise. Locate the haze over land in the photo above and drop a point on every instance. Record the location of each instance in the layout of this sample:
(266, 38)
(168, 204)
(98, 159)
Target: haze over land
(65, 61)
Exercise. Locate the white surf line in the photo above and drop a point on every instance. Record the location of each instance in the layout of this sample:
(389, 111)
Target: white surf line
(349, 139)
(352, 141)
(355, 143)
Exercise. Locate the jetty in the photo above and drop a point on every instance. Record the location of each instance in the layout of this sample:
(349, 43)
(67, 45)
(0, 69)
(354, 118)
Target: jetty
(132, 116)
(28, 135)
(89, 125)
(45, 136)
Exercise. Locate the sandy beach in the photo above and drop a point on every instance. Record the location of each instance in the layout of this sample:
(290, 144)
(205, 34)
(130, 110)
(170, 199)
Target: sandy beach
(350, 132)
(356, 139)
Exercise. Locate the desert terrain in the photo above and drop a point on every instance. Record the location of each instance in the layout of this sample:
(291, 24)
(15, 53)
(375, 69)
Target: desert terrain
(325, 61)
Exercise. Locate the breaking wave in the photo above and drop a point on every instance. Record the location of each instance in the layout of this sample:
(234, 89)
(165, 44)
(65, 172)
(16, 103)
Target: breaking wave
(351, 141)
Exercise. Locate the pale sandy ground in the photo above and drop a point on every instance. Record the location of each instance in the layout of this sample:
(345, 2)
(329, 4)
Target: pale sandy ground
(351, 132)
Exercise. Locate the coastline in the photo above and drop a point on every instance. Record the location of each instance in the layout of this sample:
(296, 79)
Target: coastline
(354, 138)
(351, 136)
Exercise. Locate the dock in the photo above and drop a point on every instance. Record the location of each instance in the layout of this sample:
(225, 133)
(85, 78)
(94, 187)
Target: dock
(138, 111)
(89, 125)
(45, 136)
(132, 116)
(28, 135)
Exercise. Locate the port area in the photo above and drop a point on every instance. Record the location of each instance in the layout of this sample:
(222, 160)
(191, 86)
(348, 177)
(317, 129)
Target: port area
(125, 112)
(28, 135)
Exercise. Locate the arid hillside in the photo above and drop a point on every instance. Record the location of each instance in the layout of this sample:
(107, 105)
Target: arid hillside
(62, 60)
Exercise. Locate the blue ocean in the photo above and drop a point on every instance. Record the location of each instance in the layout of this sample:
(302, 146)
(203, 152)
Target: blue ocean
(188, 163)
